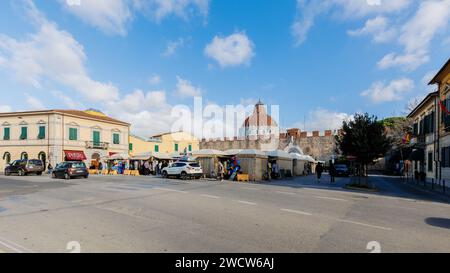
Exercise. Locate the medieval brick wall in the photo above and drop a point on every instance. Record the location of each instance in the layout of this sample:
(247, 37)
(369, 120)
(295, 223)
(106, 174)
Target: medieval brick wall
(320, 146)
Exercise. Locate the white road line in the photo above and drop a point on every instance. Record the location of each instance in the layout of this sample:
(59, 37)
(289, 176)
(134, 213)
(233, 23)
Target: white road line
(247, 203)
(297, 212)
(13, 246)
(363, 224)
(211, 196)
(172, 190)
(285, 192)
(331, 198)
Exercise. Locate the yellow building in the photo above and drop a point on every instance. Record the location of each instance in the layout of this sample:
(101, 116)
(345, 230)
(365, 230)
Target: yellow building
(442, 80)
(57, 135)
(178, 142)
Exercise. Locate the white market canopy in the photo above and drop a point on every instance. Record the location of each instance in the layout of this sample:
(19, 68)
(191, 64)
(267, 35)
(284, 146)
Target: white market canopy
(232, 152)
(252, 152)
(148, 155)
(307, 158)
(121, 156)
(279, 154)
(207, 152)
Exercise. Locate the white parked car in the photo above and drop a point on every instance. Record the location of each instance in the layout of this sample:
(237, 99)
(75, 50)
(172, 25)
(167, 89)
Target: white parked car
(183, 170)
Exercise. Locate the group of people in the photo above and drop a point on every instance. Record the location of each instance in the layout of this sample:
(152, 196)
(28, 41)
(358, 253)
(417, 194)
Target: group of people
(151, 167)
(228, 168)
(320, 169)
(146, 167)
(273, 170)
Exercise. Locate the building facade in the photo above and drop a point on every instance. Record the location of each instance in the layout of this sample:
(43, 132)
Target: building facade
(424, 142)
(57, 135)
(442, 80)
(177, 142)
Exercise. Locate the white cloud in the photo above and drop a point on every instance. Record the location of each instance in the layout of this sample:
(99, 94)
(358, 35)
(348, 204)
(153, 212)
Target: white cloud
(139, 101)
(186, 89)
(111, 16)
(417, 34)
(160, 9)
(378, 27)
(154, 79)
(234, 50)
(172, 47)
(68, 101)
(5, 108)
(381, 92)
(308, 10)
(323, 119)
(115, 16)
(51, 54)
(428, 77)
(33, 102)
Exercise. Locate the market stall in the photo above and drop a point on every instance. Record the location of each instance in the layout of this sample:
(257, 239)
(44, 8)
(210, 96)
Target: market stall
(209, 160)
(281, 162)
(253, 163)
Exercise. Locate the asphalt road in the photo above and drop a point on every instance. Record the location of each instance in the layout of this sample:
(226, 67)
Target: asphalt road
(148, 214)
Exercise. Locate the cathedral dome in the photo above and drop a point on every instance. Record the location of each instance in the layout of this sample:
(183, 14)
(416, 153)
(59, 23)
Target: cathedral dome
(259, 118)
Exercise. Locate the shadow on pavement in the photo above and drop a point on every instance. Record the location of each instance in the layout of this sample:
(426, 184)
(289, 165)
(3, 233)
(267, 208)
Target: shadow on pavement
(438, 222)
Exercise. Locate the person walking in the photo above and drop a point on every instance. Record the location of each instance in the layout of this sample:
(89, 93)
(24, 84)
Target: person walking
(319, 171)
(332, 173)
(221, 171)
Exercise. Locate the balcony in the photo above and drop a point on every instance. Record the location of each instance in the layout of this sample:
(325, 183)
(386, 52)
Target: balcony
(97, 145)
(418, 141)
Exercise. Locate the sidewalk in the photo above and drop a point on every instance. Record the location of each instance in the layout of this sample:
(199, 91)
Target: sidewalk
(428, 185)
(312, 181)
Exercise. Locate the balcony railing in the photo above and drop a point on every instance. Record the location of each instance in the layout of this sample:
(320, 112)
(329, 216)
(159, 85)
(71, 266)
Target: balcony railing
(97, 145)
(419, 140)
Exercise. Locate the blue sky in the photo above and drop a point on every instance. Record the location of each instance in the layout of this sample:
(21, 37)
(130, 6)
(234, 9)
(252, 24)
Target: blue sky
(321, 61)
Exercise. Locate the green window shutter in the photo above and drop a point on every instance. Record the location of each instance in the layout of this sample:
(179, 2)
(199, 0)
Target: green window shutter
(130, 146)
(156, 148)
(96, 137)
(6, 133)
(190, 148)
(24, 133)
(73, 134)
(41, 132)
(176, 147)
(116, 139)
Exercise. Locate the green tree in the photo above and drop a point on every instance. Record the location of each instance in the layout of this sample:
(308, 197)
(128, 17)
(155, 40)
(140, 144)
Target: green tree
(364, 138)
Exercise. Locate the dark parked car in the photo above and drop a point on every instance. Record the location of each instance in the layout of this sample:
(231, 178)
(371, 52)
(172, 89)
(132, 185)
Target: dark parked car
(341, 170)
(25, 166)
(70, 169)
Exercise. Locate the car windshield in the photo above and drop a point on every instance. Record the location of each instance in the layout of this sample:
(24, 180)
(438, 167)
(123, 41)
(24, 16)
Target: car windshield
(78, 165)
(195, 165)
(35, 162)
(341, 167)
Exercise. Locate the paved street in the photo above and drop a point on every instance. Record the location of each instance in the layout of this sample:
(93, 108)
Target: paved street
(147, 214)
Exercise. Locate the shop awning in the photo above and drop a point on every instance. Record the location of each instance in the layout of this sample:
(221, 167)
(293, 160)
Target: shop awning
(75, 155)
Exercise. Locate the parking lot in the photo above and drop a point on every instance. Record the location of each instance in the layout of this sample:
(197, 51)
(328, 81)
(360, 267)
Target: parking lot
(151, 214)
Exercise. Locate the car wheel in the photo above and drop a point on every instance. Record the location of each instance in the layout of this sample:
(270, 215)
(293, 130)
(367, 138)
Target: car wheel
(183, 175)
(53, 175)
(7, 173)
(39, 173)
(164, 174)
(21, 173)
(66, 176)
(86, 176)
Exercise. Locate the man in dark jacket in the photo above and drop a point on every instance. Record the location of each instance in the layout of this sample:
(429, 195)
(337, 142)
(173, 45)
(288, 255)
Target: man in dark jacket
(319, 171)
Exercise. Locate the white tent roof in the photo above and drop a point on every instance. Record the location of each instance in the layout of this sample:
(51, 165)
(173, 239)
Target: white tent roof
(302, 157)
(208, 152)
(148, 155)
(251, 152)
(122, 156)
(279, 153)
(232, 152)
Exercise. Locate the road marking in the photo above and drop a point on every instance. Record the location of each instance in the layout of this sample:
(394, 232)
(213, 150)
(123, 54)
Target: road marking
(297, 212)
(363, 224)
(211, 196)
(331, 198)
(172, 190)
(285, 192)
(13, 246)
(247, 203)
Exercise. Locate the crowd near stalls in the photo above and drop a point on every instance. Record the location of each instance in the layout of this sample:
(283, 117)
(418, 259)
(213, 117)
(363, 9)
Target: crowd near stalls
(258, 165)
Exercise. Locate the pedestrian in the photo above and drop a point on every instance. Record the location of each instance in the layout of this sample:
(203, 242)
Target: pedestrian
(50, 168)
(221, 170)
(146, 168)
(319, 170)
(160, 167)
(332, 173)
